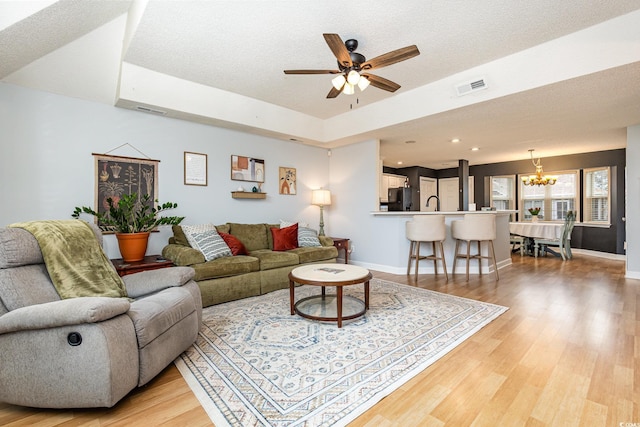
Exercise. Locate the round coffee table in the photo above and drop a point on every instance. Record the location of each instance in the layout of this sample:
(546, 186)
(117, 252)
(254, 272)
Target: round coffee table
(322, 307)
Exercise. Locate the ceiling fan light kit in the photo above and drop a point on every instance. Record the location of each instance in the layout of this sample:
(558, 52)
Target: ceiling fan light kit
(351, 67)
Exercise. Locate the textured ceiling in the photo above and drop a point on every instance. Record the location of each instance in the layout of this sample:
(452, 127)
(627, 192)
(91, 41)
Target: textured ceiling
(243, 47)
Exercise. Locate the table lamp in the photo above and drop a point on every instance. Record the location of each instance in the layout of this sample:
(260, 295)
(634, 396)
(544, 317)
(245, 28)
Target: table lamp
(321, 198)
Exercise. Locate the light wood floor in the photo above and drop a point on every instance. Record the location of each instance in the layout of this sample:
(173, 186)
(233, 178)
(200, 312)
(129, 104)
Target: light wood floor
(567, 353)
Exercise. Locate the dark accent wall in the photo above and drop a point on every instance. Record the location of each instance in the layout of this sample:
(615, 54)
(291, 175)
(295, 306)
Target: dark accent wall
(610, 239)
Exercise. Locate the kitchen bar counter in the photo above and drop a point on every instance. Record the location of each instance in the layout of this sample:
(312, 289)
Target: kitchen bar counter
(395, 220)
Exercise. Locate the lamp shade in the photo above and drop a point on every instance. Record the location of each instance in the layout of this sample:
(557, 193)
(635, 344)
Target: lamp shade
(363, 83)
(321, 197)
(348, 89)
(338, 82)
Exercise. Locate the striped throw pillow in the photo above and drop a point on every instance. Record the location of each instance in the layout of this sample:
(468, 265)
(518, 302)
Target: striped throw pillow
(206, 239)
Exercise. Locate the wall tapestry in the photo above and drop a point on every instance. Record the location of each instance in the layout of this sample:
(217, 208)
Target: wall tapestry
(287, 181)
(116, 175)
(247, 169)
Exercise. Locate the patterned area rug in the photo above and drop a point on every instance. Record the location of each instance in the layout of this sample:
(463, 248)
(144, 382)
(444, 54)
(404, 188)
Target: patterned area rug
(254, 364)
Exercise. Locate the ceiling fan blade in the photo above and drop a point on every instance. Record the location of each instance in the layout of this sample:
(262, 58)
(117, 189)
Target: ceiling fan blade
(334, 92)
(391, 57)
(311, 71)
(381, 82)
(338, 48)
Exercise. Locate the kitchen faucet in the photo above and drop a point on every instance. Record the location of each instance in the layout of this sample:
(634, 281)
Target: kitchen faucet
(437, 202)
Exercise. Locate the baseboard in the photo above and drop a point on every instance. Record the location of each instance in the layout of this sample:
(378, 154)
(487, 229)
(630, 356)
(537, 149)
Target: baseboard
(598, 254)
(460, 269)
(632, 275)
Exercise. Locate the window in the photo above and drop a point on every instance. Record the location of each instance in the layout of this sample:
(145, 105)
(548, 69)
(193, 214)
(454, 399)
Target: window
(503, 194)
(554, 201)
(596, 196)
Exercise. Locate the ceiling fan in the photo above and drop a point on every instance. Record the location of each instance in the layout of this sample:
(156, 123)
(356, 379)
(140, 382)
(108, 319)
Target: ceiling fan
(353, 67)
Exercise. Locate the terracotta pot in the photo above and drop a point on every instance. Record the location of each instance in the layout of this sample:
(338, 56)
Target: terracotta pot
(132, 246)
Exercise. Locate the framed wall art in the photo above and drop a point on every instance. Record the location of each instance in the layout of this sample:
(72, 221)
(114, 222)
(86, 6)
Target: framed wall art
(116, 176)
(247, 169)
(287, 180)
(195, 169)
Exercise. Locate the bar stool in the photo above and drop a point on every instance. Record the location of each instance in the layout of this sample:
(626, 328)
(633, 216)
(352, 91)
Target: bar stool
(426, 228)
(475, 227)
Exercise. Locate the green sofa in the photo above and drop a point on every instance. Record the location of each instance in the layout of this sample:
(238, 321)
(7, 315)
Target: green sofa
(262, 270)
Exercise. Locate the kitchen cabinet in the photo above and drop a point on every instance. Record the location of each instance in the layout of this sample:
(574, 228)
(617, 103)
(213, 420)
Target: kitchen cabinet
(390, 181)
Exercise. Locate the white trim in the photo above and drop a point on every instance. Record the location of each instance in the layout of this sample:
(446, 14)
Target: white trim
(607, 255)
(632, 275)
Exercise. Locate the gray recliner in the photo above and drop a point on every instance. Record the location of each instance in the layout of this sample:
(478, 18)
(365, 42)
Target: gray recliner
(90, 351)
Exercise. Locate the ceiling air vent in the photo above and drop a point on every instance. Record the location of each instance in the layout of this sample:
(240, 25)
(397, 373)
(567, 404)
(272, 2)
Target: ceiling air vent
(473, 86)
(150, 110)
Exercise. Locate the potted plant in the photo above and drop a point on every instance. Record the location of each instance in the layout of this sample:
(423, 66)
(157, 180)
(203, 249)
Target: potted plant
(131, 220)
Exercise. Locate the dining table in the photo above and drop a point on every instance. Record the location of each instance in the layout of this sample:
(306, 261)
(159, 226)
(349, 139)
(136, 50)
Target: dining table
(537, 230)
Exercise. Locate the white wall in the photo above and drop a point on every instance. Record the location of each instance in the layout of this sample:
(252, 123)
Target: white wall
(47, 167)
(378, 244)
(633, 202)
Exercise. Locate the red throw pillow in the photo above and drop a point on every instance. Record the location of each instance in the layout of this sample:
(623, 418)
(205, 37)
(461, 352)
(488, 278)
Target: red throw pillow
(236, 246)
(285, 238)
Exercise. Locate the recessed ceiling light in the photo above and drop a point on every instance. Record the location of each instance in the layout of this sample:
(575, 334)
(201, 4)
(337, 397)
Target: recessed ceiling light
(409, 142)
(399, 163)
(455, 140)
(475, 149)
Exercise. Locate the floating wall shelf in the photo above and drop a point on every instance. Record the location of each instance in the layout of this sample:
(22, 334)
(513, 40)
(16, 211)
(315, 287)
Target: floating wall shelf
(248, 195)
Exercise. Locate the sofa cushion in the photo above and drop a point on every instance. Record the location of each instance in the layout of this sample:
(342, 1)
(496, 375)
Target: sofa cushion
(228, 266)
(179, 237)
(315, 254)
(18, 247)
(285, 238)
(271, 259)
(307, 237)
(236, 246)
(39, 290)
(155, 314)
(206, 239)
(252, 236)
(182, 255)
(224, 228)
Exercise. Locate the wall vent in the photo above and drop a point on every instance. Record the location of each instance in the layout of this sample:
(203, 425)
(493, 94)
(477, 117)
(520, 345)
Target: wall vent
(468, 87)
(150, 110)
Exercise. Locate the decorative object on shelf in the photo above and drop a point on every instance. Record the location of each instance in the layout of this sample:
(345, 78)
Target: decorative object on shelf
(195, 169)
(539, 178)
(287, 180)
(131, 218)
(247, 169)
(321, 198)
(248, 195)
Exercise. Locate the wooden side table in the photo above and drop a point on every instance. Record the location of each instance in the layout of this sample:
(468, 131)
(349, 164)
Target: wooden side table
(150, 262)
(342, 243)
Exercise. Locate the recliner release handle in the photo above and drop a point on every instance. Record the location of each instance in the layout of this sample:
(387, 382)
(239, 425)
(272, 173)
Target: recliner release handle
(74, 339)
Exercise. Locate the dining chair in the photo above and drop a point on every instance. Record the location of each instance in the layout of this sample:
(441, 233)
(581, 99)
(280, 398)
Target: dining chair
(426, 229)
(563, 243)
(517, 243)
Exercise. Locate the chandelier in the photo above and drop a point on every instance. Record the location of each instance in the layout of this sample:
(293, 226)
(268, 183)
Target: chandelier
(539, 178)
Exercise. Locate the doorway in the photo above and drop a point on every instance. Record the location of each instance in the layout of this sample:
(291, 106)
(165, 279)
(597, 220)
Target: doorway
(448, 193)
(428, 187)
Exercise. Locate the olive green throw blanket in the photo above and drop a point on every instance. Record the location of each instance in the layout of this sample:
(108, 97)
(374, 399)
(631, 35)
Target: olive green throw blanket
(76, 263)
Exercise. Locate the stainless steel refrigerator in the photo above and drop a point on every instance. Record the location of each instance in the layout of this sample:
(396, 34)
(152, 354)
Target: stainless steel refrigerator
(399, 199)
